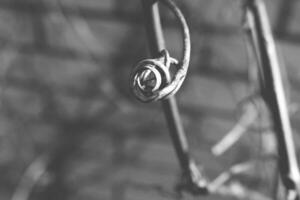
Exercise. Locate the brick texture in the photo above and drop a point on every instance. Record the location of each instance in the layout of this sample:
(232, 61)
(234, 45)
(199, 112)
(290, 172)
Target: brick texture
(65, 69)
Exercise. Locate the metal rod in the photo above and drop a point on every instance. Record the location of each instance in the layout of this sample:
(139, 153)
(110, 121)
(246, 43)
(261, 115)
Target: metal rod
(156, 45)
(273, 92)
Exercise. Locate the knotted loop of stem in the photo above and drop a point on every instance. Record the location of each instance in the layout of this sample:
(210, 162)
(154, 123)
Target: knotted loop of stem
(150, 76)
(151, 79)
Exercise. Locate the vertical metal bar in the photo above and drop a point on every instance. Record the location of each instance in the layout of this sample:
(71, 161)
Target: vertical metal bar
(157, 44)
(273, 93)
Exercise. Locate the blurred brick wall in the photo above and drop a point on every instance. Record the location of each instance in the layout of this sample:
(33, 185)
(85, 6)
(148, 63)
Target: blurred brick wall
(65, 99)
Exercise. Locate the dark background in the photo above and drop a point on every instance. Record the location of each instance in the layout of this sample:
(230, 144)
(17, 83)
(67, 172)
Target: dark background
(68, 122)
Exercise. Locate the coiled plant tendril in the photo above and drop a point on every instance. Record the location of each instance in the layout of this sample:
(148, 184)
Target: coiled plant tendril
(151, 79)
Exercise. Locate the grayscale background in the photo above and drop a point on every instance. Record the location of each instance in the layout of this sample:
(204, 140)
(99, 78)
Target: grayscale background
(70, 128)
